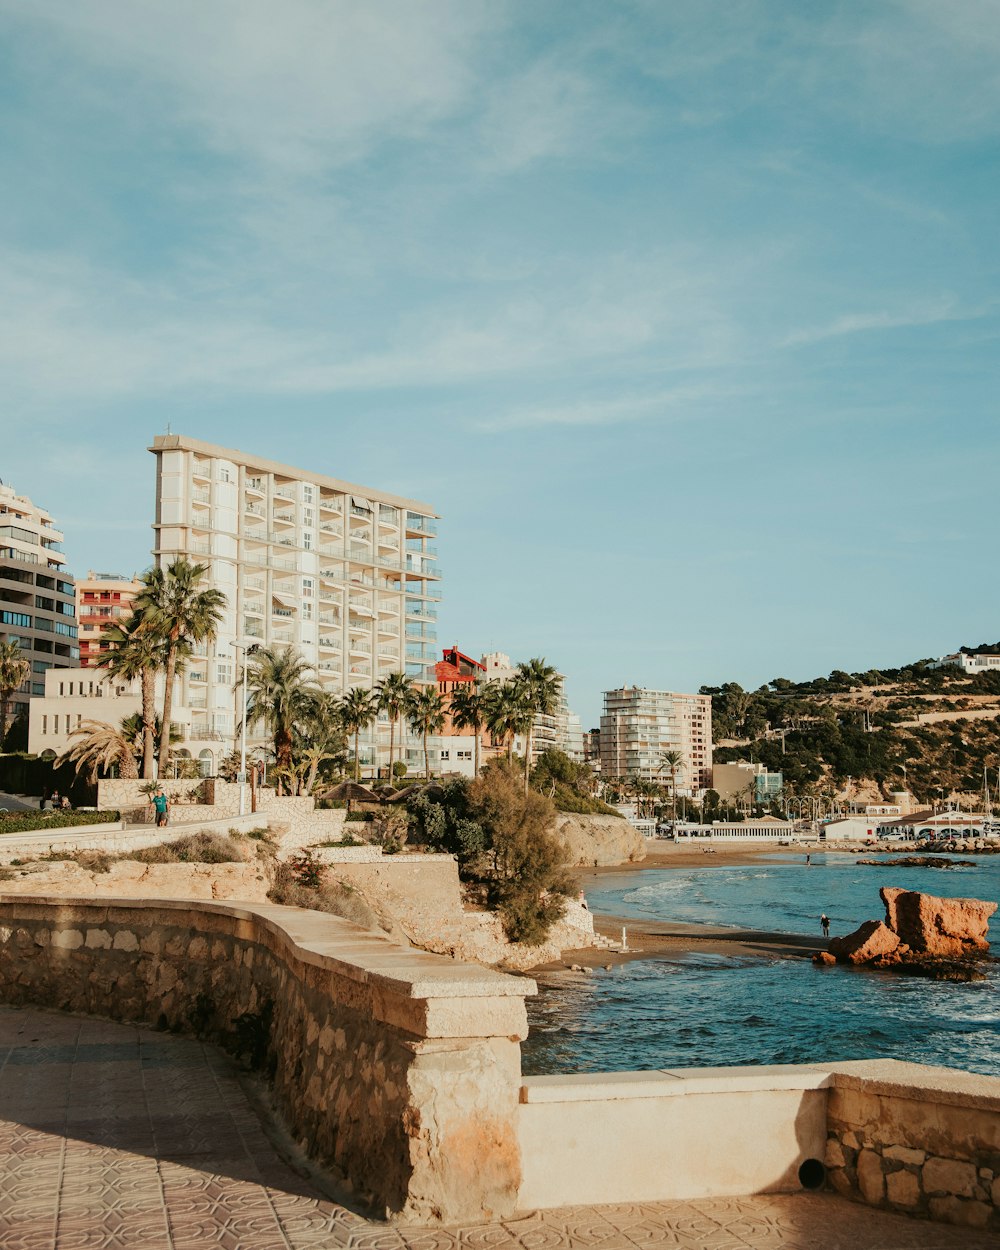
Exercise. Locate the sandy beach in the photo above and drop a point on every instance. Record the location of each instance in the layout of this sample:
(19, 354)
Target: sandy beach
(652, 938)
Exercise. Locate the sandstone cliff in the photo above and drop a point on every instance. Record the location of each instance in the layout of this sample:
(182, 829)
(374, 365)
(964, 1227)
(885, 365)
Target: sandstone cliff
(600, 840)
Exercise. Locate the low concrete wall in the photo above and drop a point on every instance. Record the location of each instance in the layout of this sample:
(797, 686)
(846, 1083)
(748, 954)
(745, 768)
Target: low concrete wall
(397, 1067)
(899, 1136)
(113, 838)
(657, 1136)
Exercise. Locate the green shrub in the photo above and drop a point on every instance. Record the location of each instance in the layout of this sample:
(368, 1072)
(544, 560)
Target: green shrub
(197, 848)
(31, 822)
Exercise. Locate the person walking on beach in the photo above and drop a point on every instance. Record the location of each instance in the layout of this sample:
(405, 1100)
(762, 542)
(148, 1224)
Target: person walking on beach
(162, 806)
(825, 922)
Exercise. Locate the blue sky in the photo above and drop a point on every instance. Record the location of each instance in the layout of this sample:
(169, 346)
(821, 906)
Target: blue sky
(684, 315)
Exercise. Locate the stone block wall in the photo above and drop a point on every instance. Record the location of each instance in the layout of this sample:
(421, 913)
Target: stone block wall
(925, 1141)
(398, 1068)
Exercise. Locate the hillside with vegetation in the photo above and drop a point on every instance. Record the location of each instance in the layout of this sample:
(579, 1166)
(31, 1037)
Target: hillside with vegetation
(931, 731)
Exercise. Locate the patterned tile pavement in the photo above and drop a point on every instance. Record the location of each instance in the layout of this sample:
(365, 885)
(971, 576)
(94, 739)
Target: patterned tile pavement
(114, 1137)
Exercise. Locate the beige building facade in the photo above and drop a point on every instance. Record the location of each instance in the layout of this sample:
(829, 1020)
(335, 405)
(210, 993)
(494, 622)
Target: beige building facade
(347, 575)
(638, 726)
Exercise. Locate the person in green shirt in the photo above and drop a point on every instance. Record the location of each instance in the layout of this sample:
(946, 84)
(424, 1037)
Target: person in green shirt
(161, 805)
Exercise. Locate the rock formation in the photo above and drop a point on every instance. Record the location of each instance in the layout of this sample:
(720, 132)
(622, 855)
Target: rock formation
(922, 935)
(599, 840)
(873, 941)
(952, 927)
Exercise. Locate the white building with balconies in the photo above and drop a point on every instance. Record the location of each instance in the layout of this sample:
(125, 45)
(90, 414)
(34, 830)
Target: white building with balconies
(346, 574)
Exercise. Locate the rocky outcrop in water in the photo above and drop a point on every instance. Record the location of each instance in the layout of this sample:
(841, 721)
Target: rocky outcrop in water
(921, 861)
(950, 927)
(872, 941)
(922, 935)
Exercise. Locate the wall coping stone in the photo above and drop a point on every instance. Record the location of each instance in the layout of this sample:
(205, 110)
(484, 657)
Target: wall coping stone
(673, 1083)
(920, 1082)
(315, 938)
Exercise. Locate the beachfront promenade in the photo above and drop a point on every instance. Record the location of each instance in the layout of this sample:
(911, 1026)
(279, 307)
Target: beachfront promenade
(123, 1138)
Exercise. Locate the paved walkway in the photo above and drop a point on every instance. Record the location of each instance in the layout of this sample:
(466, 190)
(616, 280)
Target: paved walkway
(113, 1136)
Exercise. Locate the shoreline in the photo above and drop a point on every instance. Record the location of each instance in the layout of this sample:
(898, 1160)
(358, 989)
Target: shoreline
(657, 939)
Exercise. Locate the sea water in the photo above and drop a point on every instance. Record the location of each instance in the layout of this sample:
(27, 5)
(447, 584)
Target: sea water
(700, 1009)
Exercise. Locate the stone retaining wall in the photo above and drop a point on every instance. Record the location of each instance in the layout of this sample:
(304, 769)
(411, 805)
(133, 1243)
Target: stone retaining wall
(396, 1067)
(917, 1139)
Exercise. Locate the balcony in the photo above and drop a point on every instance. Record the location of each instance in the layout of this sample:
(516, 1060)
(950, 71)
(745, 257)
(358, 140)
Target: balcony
(421, 525)
(282, 611)
(200, 548)
(254, 583)
(361, 670)
(330, 644)
(282, 635)
(418, 547)
(361, 512)
(252, 629)
(283, 518)
(330, 666)
(327, 527)
(200, 495)
(276, 562)
(363, 555)
(283, 492)
(386, 649)
(360, 646)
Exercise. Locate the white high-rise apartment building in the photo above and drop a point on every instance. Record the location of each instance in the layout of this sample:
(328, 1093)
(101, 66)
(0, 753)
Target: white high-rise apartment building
(346, 574)
(639, 725)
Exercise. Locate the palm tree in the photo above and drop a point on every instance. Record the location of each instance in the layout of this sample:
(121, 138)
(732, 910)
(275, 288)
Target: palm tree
(541, 687)
(505, 712)
(425, 715)
(101, 747)
(672, 760)
(469, 708)
(181, 614)
(281, 694)
(14, 672)
(137, 650)
(320, 738)
(394, 693)
(358, 708)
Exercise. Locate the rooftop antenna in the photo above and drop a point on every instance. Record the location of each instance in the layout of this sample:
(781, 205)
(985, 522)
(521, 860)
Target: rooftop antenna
(169, 430)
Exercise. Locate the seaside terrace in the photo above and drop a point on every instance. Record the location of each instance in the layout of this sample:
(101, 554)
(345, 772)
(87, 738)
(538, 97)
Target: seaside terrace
(128, 1118)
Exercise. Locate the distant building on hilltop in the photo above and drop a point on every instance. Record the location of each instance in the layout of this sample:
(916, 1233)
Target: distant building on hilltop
(638, 726)
(970, 662)
(102, 599)
(37, 597)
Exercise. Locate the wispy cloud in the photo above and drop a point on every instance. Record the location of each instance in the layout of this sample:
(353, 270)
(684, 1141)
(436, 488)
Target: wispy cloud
(304, 86)
(923, 314)
(672, 403)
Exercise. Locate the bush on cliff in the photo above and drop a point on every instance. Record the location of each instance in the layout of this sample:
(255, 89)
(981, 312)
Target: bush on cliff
(568, 785)
(503, 841)
(527, 878)
(197, 848)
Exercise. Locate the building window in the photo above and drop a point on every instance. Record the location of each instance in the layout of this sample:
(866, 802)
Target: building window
(445, 755)
(45, 724)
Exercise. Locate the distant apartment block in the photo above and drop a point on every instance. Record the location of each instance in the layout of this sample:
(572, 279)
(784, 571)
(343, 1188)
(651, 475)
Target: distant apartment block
(102, 599)
(976, 662)
(346, 574)
(559, 730)
(37, 601)
(745, 780)
(638, 726)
